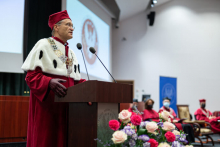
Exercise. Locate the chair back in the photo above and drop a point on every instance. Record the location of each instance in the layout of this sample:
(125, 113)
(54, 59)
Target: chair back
(183, 112)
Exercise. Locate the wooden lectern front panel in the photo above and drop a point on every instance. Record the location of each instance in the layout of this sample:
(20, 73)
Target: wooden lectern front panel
(98, 91)
(82, 125)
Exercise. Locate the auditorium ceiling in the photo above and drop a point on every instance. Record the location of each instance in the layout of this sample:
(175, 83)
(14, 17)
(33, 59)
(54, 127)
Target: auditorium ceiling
(129, 8)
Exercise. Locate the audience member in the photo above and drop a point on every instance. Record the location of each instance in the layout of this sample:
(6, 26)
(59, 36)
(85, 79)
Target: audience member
(205, 114)
(166, 106)
(149, 113)
(133, 106)
(187, 128)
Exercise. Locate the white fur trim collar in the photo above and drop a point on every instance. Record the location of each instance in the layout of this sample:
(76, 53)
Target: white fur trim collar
(43, 56)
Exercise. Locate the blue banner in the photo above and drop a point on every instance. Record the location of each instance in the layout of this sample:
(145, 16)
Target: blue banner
(168, 89)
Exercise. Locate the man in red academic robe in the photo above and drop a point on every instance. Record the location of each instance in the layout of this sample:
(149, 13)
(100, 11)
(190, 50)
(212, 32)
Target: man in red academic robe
(166, 106)
(149, 113)
(51, 68)
(205, 114)
(187, 128)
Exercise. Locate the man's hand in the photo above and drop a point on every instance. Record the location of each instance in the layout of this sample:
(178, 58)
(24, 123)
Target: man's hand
(56, 86)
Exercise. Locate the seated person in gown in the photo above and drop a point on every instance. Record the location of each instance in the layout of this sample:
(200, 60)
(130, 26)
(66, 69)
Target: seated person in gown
(187, 128)
(166, 107)
(135, 108)
(149, 113)
(205, 114)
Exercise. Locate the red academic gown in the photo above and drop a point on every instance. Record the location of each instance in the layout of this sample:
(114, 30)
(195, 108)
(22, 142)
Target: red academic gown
(151, 114)
(172, 112)
(133, 113)
(203, 114)
(47, 120)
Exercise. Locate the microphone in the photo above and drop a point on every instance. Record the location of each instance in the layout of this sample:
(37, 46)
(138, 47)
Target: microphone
(79, 46)
(92, 50)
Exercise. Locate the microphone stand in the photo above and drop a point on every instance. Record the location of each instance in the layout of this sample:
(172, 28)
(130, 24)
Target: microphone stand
(85, 65)
(105, 68)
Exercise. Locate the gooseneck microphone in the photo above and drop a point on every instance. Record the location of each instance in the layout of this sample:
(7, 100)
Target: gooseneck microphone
(92, 50)
(79, 46)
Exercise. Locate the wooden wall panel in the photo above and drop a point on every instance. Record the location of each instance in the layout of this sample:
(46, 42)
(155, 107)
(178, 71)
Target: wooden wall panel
(13, 118)
(124, 106)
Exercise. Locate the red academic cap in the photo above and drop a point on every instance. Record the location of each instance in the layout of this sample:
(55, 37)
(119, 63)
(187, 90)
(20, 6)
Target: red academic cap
(56, 17)
(202, 100)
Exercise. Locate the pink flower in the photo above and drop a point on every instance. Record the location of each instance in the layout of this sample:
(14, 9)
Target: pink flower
(136, 120)
(114, 125)
(153, 143)
(124, 116)
(167, 126)
(119, 137)
(151, 127)
(170, 136)
(165, 115)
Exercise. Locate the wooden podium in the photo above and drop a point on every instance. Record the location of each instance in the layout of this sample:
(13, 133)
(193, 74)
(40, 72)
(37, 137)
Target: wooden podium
(88, 122)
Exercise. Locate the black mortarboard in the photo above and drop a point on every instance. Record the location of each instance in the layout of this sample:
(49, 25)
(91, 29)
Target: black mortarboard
(166, 98)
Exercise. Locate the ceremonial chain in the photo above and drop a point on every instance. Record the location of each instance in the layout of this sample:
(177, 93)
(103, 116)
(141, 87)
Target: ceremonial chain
(61, 56)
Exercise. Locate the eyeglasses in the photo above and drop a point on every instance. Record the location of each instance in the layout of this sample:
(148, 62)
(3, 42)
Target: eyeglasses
(70, 25)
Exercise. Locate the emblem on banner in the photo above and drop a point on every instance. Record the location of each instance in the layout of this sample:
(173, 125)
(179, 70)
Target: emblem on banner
(89, 39)
(168, 91)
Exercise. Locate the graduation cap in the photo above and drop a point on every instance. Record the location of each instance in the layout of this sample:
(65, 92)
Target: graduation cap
(202, 100)
(56, 17)
(135, 100)
(166, 98)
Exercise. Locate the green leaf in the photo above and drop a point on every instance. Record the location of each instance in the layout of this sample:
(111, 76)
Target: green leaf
(141, 132)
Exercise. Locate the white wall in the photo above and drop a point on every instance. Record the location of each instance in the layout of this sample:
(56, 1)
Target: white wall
(184, 43)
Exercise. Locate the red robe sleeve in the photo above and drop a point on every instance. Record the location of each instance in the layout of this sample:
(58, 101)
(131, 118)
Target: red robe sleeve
(38, 83)
(151, 114)
(200, 116)
(215, 125)
(174, 115)
(160, 111)
(80, 81)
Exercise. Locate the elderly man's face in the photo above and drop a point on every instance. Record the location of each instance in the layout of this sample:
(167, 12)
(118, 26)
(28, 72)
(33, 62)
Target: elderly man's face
(65, 30)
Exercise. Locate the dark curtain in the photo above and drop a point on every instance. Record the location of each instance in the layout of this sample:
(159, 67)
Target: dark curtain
(35, 28)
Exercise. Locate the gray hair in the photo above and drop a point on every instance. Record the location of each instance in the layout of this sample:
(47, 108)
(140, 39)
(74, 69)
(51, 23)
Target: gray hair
(53, 31)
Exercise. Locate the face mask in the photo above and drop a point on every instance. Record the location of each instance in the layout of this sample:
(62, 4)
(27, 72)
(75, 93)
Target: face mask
(149, 106)
(166, 104)
(203, 106)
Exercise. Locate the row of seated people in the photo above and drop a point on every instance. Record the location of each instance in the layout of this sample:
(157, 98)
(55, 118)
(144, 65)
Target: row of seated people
(201, 114)
(149, 114)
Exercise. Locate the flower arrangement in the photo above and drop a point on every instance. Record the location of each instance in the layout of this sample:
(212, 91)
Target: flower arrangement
(133, 132)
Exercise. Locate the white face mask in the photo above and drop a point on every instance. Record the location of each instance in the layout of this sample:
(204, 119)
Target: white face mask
(166, 104)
